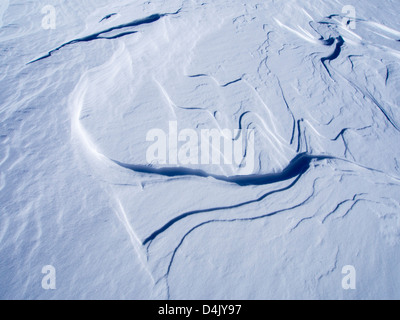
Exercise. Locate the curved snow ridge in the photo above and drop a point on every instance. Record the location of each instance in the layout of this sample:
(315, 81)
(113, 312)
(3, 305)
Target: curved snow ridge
(182, 220)
(109, 16)
(255, 218)
(298, 166)
(101, 35)
(339, 43)
(296, 169)
(335, 54)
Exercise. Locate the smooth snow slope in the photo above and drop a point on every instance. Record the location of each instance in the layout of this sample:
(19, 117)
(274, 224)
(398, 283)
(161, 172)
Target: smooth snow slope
(77, 102)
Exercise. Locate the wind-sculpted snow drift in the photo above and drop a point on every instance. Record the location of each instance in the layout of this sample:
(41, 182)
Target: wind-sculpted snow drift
(101, 35)
(78, 193)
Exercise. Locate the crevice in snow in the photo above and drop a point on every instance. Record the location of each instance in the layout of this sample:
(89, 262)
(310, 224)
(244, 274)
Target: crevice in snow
(102, 34)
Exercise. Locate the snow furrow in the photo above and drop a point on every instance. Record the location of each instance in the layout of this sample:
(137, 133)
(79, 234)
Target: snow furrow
(101, 35)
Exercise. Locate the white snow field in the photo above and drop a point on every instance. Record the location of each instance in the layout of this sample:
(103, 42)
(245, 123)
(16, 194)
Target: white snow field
(77, 192)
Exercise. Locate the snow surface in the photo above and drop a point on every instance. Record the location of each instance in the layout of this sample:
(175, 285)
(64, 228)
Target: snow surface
(76, 103)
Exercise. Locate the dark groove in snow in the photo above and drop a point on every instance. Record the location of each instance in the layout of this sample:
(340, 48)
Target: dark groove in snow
(230, 221)
(327, 42)
(387, 76)
(299, 134)
(296, 168)
(241, 118)
(107, 17)
(335, 54)
(97, 36)
(354, 199)
(232, 82)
